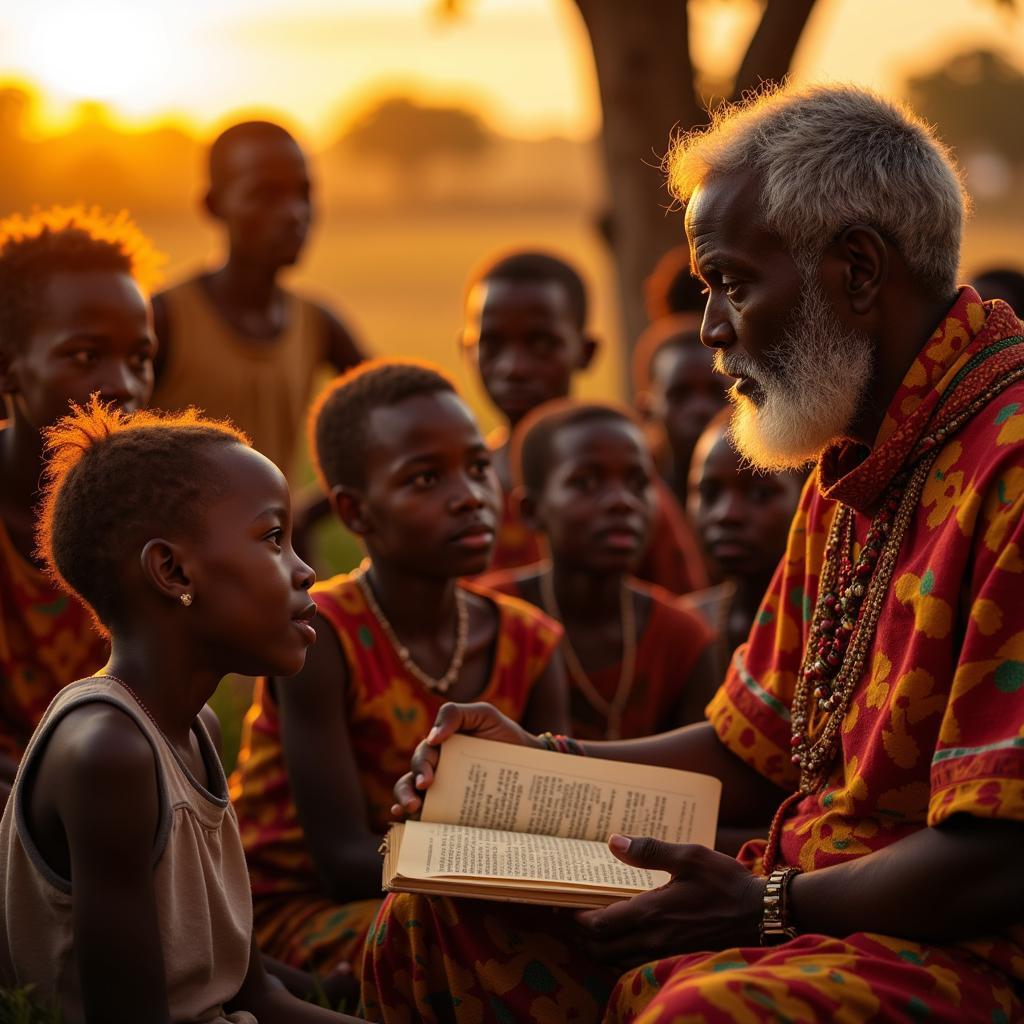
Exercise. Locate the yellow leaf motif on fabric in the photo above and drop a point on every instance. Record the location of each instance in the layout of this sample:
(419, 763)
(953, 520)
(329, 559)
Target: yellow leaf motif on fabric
(878, 688)
(944, 487)
(987, 616)
(910, 704)
(975, 316)
(909, 801)
(1002, 507)
(1010, 559)
(407, 727)
(1010, 420)
(932, 616)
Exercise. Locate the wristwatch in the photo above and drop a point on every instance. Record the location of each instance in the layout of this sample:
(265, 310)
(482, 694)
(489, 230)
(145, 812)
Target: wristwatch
(776, 926)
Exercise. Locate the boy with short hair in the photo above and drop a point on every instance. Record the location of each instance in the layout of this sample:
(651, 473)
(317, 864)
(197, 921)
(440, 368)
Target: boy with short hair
(401, 457)
(233, 341)
(525, 324)
(636, 661)
(677, 390)
(74, 321)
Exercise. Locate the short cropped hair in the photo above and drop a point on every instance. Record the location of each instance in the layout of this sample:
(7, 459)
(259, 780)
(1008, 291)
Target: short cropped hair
(671, 288)
(535, 267)
(63, 238)
(115, 480)
(831, 156)
(533, 440)
(339, 416)
(237, 134)
(681, 331)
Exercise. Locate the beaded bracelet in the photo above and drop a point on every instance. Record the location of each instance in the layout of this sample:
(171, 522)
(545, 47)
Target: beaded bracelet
(561, 744)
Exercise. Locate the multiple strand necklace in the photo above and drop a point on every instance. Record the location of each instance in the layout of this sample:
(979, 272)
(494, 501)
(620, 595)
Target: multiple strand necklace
(612, 710)
(444, 683)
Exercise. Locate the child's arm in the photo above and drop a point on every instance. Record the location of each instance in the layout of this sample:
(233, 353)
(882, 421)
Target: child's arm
(323, 775)
(273, 1004)
(98, 776)
(548, 707)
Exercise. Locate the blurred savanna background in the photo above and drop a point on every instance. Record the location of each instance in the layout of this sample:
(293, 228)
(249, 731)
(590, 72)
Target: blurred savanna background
(442, 130)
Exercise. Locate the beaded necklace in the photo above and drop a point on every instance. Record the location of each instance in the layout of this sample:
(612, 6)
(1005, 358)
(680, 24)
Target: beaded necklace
(850, 598)
(612, 710)
(443, 684)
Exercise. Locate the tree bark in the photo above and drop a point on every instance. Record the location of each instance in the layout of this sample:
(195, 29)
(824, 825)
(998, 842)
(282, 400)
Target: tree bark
(646, 82)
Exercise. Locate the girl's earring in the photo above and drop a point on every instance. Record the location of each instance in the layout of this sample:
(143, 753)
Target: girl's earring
(186, 599)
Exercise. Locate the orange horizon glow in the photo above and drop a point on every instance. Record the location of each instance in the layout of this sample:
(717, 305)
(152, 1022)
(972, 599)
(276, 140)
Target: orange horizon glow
(522, 65)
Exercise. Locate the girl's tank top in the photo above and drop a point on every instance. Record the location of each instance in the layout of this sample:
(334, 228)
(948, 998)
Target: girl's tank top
(199, 879)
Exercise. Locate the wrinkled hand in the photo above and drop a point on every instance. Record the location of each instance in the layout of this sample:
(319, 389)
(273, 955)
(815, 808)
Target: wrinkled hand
(480, 719)
(711, 903)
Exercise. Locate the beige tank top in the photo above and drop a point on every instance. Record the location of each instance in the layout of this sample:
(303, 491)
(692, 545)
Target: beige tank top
(262, 385)
(199, 878)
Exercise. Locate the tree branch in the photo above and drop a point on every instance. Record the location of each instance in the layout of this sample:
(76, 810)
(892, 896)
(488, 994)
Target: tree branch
(773, 44)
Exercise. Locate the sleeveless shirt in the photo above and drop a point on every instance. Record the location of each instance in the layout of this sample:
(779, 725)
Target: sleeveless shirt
(199, 879)
(263, 385)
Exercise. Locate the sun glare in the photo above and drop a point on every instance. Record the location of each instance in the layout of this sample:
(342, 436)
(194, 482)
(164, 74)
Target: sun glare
(100, 51)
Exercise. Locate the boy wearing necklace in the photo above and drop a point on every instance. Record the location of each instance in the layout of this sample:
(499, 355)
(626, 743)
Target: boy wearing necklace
(637, 663)
(405, 466)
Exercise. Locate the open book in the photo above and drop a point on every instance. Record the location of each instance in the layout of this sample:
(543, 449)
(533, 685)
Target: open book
(503, 822)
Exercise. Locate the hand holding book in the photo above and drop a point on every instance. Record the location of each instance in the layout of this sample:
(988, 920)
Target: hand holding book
(504, 822)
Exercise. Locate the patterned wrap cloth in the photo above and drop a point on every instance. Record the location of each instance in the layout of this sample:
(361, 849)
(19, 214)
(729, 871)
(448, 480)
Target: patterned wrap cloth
(669, 646)
(935, 728)
(389, 712)
(47, 639)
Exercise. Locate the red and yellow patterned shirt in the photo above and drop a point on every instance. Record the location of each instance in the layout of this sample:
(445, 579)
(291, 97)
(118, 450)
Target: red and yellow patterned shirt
(47, 639)
(935, 726)
(389, 712)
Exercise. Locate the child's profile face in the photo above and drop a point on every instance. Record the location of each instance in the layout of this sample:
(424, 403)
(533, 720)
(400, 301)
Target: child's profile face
(527, 343)
(93, 333)
(266, 203)
(686, 392)
(598, 500)
(742, 516)
(250, 590)
(431, 497)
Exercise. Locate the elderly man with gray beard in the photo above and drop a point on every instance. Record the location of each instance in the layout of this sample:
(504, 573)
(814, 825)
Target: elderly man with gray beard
(876, 713)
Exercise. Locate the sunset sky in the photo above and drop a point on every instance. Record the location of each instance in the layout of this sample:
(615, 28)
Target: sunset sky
(523, 63)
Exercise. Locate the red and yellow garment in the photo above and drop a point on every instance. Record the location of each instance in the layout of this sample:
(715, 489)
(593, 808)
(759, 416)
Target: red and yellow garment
(935, 728)
(47, 639)
(668, 647)
(389, 712)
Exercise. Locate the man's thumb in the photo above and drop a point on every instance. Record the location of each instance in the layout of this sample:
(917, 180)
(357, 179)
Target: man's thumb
(648, 852)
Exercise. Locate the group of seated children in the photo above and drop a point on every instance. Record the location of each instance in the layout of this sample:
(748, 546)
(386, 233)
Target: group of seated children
(159, 558)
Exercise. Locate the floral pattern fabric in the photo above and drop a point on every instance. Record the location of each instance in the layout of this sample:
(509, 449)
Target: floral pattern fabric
(389, 712)
(935, 728)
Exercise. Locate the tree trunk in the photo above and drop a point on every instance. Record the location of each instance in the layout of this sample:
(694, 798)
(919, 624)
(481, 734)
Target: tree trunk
(645, 78)
(646, 82)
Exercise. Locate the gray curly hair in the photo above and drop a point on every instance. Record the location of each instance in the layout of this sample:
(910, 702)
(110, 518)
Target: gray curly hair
(831, 156)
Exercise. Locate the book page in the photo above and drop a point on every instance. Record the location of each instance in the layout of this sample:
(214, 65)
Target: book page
(491, 785)
(430, 850)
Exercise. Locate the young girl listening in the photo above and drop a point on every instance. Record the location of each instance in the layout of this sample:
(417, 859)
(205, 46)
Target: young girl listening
(636, 662)
(407, 471)
(126, 893)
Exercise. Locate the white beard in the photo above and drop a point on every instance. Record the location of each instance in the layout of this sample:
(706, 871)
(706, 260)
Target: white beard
(809, 388)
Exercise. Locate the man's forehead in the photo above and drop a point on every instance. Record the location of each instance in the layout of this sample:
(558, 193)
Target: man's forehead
(539, 296)
(258, 157)
(726, 210)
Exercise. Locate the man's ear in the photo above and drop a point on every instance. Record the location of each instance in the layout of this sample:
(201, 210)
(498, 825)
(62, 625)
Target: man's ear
(864, 257)
(588, 351)
(350, 507)
(524, 501)
(162, 564)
